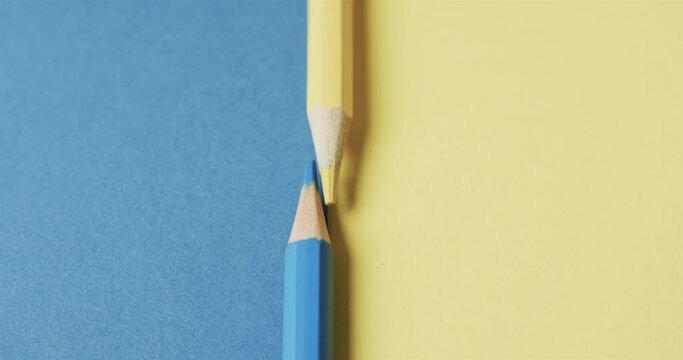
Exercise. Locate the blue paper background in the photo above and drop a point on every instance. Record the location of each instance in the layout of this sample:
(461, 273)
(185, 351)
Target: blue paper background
(151, 154)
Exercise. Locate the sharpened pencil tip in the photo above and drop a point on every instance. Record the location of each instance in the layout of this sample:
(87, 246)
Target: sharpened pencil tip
(309, 221)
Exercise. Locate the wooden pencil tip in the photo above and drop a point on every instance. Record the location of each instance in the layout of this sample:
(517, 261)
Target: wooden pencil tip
(309, 222)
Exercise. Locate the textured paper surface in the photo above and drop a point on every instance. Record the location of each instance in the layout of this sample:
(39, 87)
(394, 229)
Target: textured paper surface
(514, 184)
(151, 155)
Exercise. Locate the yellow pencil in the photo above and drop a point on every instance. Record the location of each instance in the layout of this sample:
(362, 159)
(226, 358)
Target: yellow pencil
(330, 72)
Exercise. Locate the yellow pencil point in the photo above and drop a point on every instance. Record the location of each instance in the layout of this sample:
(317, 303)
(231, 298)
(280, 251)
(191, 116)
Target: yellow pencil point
(329, 101)
(328, 178)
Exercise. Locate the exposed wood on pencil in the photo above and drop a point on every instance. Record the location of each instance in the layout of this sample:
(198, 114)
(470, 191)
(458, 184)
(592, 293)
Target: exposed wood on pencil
(309, 222)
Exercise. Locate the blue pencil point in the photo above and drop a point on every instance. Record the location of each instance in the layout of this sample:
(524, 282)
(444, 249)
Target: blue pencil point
(307, 323)
(310, 173)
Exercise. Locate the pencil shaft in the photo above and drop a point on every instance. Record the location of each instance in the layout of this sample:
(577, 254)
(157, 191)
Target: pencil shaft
(308, 301)
(324, 53)
(329, 84)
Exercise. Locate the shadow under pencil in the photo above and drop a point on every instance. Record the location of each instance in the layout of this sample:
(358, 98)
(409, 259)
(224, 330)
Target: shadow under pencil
(351, 176)
(342, 274)
(353, 150)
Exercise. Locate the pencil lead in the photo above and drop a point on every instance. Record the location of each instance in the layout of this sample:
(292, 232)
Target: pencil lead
(309, 222)
(329, 176)
(310, 174)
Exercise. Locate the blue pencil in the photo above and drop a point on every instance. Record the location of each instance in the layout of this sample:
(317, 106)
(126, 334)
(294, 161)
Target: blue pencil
(307, 332)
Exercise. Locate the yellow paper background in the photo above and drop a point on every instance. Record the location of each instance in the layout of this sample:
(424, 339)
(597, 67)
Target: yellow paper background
(513, 182)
